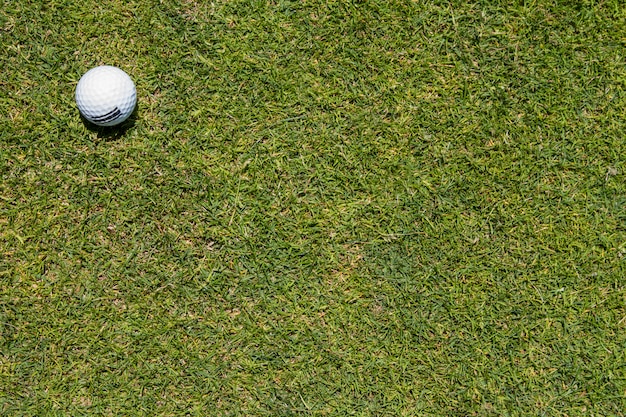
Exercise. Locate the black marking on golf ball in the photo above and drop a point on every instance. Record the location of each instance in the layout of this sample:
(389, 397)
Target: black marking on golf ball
(109, 117)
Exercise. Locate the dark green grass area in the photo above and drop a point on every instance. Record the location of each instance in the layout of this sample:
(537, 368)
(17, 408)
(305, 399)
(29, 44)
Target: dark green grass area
(367, 208)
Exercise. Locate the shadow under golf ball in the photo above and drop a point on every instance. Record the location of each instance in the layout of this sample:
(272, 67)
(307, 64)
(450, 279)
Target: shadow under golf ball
(112, 132)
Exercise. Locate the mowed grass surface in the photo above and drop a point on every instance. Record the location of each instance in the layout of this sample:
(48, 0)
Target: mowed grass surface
(374, 208)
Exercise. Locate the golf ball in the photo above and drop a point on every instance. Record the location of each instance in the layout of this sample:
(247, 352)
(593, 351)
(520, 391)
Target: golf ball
(106, 95)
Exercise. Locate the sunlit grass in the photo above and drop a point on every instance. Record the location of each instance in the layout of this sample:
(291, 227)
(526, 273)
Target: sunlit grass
(319, 208)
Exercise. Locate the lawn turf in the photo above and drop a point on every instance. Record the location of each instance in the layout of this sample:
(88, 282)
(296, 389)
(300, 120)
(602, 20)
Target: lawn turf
(364, 208)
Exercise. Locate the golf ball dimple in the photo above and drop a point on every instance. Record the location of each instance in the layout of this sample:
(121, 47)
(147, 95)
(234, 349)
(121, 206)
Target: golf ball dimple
(106, 95)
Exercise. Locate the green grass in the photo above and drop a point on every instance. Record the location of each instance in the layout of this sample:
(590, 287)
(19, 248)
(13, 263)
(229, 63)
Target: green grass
(368, 208)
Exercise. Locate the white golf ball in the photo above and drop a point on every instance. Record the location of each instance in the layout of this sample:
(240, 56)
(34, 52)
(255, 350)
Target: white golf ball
(106, 95)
